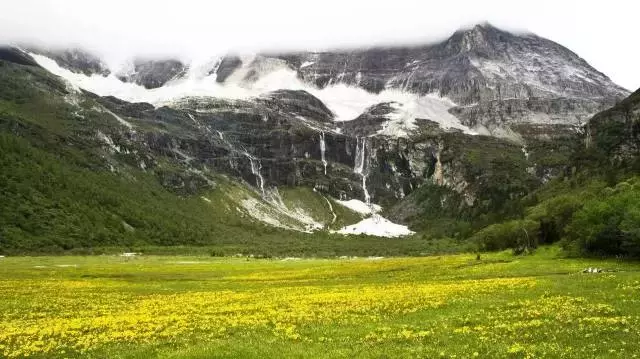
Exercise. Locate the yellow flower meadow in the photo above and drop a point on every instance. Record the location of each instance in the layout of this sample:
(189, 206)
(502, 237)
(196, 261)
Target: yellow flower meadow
(59, 312)
(76, 316)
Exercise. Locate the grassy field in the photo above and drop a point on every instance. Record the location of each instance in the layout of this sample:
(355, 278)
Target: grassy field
(202, 307)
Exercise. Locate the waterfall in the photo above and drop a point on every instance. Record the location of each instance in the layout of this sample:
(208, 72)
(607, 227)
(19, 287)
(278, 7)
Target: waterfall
(333, 213)
(323, 149)
(367, 197)
(361, 148)
(256, 166)
(359, 160)
(438, 173)
(525, 152)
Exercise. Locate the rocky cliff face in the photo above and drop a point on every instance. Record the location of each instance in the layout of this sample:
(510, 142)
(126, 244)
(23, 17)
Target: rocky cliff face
(152, 73)
(475, 65)
(614, 134)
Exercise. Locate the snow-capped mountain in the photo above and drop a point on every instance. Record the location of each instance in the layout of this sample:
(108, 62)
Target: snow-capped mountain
(480, 80)
(365, 124)
(474, 65)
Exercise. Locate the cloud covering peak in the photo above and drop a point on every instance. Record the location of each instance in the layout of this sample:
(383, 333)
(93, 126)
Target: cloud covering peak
(602, 33)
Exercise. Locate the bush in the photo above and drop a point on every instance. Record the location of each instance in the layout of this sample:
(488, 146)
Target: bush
(520, 235)
(609, 225)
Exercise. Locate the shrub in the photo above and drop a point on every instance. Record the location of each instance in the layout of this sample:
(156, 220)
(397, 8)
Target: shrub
(610, 224)
(517, 234)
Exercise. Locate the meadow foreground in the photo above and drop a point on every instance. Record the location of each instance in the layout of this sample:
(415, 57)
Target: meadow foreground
(201, 307)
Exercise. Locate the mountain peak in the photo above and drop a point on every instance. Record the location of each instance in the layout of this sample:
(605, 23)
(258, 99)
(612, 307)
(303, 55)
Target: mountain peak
(486, 26)
(482, 37)
(481, 27)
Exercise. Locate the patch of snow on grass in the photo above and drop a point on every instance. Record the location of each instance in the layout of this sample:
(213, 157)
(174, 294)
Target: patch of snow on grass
(297, 214)
(107, 140)
(378, 226)
(121, 120)
(257, 210)
(273, 211)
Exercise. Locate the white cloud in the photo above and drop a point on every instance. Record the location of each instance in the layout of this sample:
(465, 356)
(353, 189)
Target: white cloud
(602, 32)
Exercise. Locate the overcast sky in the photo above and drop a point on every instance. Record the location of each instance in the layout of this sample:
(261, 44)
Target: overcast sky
(603, 32)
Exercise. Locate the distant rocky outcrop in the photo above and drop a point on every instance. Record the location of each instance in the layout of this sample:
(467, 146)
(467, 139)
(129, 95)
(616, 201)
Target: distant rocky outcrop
(614, 134)
(152, 73)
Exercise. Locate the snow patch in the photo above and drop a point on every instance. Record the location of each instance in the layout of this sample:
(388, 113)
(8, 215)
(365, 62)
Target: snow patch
(360, 207)
(273, 211)
(430, 107)
(107, 140)
(267, 75)
(120, 119)
(378, 226)
(306, 64)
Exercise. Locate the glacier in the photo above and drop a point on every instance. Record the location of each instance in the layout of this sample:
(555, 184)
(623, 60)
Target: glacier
(345, 101)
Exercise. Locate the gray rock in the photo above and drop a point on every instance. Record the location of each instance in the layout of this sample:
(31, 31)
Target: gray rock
(153, 73)
(227, 66)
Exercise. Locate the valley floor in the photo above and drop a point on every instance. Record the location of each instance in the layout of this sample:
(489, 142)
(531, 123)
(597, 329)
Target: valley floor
(452, 306)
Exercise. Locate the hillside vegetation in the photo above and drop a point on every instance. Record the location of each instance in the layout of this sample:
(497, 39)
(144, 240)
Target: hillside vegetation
(65, 186)
(595, 210)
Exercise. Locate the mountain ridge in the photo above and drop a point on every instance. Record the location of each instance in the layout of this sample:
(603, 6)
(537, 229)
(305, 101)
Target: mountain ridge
(473, 69)
(472, 38)
(354, 126)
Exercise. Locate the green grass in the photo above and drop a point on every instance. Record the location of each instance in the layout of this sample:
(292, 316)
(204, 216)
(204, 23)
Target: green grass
(500, 306)
(319, 207)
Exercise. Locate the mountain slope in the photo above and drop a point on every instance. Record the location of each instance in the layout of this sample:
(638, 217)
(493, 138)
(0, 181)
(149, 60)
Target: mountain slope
(73, 174)
(595, 209)
(479, 64)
